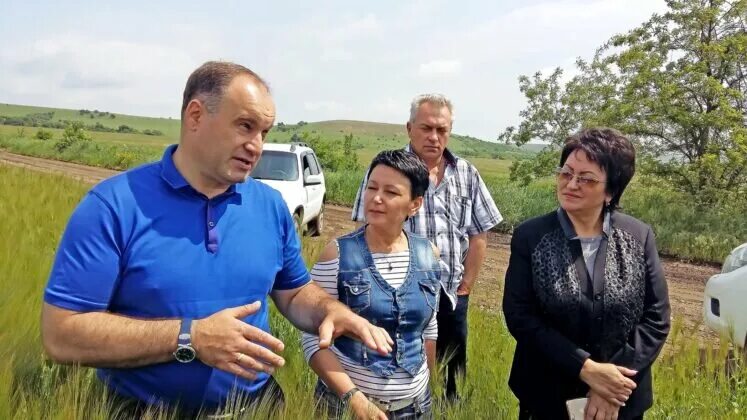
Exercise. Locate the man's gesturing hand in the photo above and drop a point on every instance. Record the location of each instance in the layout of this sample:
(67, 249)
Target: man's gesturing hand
(341, 320)
(224, 341)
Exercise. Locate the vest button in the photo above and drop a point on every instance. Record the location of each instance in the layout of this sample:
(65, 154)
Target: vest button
(355, 289)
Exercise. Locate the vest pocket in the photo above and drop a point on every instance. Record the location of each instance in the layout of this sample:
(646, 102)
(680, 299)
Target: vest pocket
(430, 291)
(357, 295)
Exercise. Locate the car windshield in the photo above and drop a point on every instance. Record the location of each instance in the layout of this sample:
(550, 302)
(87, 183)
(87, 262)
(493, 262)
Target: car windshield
(737, 259)
(276, 166)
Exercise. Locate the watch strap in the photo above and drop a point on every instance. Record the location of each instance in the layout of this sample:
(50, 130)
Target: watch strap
(345, 398)
(185, 332)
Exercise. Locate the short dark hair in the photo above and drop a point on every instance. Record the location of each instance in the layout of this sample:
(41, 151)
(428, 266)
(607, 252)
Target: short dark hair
(409, 165)
(209, 81)
(609, 149)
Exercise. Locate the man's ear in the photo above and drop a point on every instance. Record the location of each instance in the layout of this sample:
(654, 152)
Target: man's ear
(409, 127)
(193, 114)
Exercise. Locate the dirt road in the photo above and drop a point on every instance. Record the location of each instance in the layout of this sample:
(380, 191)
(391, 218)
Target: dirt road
(686, 281)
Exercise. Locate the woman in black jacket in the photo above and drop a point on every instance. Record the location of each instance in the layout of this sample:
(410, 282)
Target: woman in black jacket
(585, 295)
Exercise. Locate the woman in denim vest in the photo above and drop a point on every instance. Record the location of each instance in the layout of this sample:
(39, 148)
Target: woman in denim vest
(391, 278)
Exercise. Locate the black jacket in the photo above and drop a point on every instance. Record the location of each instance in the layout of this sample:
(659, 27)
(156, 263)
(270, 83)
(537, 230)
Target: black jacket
(560, 317)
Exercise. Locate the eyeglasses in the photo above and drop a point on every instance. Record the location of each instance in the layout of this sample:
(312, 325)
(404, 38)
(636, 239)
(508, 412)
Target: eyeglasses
(566, 175)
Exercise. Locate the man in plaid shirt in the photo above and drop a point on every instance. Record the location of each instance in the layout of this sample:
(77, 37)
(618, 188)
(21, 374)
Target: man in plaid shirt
(456, 214)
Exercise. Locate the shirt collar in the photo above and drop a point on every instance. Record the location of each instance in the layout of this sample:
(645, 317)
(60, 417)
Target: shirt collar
(169, 173)
(570, 232)
(450, 158)
(173, 177)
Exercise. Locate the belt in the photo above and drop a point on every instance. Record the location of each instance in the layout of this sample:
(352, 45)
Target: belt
(393, 406)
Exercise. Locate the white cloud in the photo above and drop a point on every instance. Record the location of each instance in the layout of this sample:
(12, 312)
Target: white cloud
(440, 68)
(327, 61)
(83, 71)
(327, 106)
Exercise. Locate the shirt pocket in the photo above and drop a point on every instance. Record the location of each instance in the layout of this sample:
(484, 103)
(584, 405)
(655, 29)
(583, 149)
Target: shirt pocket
(357, 294)
(460, 211)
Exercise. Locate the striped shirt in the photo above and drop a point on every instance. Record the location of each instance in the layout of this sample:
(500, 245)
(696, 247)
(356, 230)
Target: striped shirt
(401, 384)
(459, 207)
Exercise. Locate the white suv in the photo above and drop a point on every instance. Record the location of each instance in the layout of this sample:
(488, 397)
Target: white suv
(725, 296)
(294, 170)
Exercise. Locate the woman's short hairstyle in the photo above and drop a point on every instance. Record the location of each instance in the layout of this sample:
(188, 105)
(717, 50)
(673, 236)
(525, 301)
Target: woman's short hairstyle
(609, 149)
(409, 165)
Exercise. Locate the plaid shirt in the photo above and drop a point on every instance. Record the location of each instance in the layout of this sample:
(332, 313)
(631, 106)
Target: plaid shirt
(459, 207)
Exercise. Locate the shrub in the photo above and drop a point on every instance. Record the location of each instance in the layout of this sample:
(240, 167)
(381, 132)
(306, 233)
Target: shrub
(43, 134)
(73, 134)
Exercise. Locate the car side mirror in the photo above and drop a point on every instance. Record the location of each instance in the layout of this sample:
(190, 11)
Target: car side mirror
(312, 179)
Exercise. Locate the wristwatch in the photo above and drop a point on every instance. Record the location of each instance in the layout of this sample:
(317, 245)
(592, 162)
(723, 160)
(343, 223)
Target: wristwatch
(185, 353)
(345, 398)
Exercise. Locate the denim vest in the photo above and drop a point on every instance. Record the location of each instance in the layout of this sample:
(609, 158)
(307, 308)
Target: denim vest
(403, 312)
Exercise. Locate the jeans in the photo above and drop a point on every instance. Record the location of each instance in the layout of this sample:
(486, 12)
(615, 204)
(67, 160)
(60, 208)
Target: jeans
(420, 409)
(451, 346)
(271, 395)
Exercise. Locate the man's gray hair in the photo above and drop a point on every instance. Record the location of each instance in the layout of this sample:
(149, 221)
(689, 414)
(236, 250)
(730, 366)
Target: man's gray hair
(433, 99)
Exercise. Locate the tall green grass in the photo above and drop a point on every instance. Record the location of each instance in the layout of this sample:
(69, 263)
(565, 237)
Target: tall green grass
(94, 153)
(690, 382)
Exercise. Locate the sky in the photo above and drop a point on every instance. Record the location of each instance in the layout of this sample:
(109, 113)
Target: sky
(323, 60)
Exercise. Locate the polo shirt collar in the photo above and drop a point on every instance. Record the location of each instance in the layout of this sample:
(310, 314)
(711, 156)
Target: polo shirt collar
(173, 177)
(570, 232)
(169, 173)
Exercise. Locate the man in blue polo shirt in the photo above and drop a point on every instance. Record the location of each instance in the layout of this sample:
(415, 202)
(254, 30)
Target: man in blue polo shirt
(162, 275)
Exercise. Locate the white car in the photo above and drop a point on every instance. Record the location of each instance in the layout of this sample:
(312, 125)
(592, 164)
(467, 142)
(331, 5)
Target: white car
(294, 170)
(725, 303)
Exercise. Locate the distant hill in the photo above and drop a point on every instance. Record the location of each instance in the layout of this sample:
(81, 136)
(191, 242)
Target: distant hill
(169, 127)
(369, 136)
(373, 136)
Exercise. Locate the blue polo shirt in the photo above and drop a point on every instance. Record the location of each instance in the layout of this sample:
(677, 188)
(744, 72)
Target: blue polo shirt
(146, 244)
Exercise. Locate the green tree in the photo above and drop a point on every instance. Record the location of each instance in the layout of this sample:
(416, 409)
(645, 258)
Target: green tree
(332, 157)
(349, 157)
(677, 85)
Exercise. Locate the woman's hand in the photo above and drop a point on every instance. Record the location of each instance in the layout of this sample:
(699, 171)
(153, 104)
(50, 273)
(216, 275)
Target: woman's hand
(610, 381)
(365, 409)
(598, 408)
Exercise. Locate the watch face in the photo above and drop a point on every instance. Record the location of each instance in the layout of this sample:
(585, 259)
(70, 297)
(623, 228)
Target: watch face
(184, 354)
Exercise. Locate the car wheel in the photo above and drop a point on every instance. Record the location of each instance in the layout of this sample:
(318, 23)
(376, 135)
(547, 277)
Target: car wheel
(319, 222)
(297, 224)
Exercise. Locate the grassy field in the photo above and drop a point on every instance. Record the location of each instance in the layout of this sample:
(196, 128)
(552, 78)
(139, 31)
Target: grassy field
(690, 382)
(147, 148)
(682, 230)
(373, 137)
(169, 127)
(697, 234)
(369, 136)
